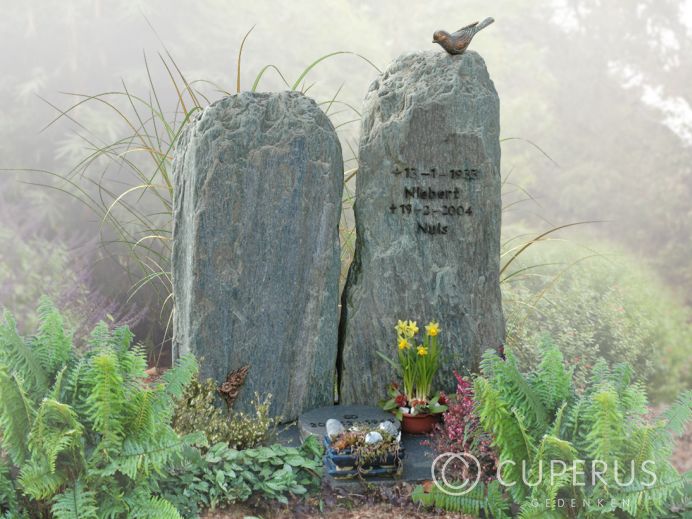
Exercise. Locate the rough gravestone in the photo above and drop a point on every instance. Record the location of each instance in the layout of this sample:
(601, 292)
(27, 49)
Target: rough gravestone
(256, 255)
(427, 218)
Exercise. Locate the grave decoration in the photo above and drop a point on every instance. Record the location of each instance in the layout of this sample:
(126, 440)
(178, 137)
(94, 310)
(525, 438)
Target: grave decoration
(362, 450)
(413, 401)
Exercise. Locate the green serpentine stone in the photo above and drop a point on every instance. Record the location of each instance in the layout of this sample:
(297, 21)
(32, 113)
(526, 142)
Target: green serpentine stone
(258, 185)
(428, 243)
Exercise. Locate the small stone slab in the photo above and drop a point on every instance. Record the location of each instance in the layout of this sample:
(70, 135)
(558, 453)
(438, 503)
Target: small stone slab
(313, 422)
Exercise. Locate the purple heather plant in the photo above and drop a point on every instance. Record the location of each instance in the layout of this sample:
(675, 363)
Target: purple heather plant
(36, 261)
(86, 306)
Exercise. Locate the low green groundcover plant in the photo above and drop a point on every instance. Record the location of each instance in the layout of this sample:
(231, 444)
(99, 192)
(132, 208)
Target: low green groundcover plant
(563, 453)
(84, 435)
(222, 476)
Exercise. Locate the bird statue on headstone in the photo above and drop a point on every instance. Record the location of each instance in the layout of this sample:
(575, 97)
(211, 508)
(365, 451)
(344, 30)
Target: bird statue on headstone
(458, 42)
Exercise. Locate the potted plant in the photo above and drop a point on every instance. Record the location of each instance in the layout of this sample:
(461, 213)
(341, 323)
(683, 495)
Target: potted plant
(413, 402)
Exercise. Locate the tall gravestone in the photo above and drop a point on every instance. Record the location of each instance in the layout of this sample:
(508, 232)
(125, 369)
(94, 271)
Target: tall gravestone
(256, 256)
(427, 218)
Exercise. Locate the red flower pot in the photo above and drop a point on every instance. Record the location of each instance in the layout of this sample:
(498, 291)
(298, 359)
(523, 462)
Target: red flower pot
(419, 423)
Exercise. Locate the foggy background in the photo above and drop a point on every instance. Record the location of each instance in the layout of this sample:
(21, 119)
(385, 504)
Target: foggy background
(596, 104)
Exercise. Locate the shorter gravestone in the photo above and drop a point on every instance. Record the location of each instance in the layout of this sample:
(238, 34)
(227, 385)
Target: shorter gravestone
(427, 217)
(256, 255)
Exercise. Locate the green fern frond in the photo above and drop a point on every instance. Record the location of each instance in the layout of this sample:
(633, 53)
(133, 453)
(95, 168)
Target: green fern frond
(75, 503)
(556, 427)
(76, 388)
(551, 381)
(604, 439)
(633, 402)
(8, 494)
(621, 377)
(576, 423)
(19, 357)
(139, 413)
(89, 418)
(554, 448)
(517, 392)
(600, 373)
(172, 389)
(639, 446)
(529, 444)
(508, 437)
(146, 457)
(180, 376)
(56, 430)
(487, 499)
(679, 414)
(100, 337)
(154, 507)
(606, 423)
(133, 364)
(650, 500)
(545, 487)
(39, 481)
(106, 398)
(132, 360)
(121, 339)
(52, 343)
(56, 392)
(17, 413)
(497, 505)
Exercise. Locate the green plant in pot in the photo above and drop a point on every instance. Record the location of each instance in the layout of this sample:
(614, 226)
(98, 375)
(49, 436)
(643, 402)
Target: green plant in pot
(414, 402)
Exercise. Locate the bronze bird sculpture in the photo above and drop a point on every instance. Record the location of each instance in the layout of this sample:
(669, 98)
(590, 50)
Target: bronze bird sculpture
(458, 42)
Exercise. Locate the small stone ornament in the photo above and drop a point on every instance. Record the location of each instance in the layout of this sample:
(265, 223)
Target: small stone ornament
(373, 437)
(389, 428)
(334, 427)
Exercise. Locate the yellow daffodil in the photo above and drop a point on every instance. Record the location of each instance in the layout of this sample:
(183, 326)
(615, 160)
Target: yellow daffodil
(412, 328)
(401, 327)
(432, 329)
(422, 351)
(403, 344)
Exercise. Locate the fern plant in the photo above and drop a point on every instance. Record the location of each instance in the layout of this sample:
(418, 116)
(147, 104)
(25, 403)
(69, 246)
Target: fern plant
(84, 434)
(564, 454)
(610, 460)
(487, 499)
